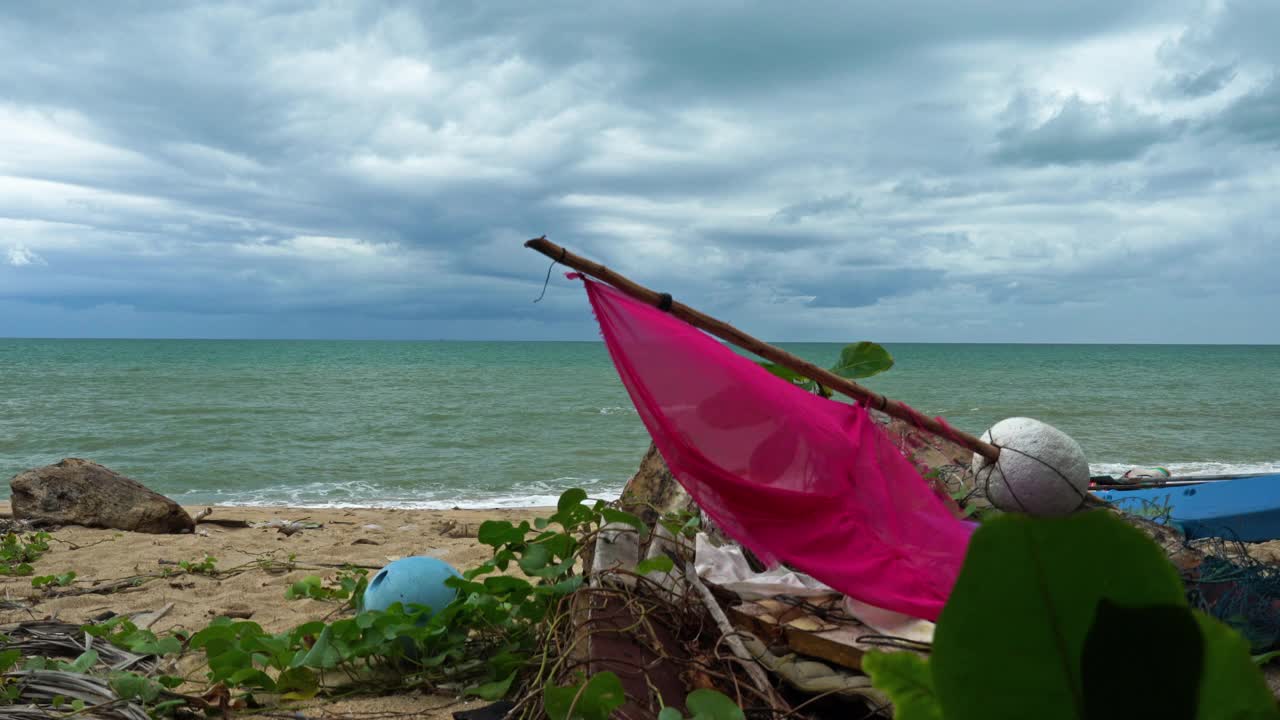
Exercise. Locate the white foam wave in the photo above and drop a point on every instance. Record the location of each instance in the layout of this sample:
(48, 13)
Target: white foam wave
(617, 409)
(361, 494)
(1185, 469)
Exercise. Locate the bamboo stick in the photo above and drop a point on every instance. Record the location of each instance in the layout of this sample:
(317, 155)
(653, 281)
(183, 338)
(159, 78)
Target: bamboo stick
(732, 335)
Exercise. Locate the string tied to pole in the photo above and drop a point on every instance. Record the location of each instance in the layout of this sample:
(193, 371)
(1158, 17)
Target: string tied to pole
(554, 262)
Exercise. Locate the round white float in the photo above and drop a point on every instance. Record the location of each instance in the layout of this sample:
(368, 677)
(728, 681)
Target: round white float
(1041, 470)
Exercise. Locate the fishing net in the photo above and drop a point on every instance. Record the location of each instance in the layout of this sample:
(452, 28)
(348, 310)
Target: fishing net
(1240, 590)
(794, 477)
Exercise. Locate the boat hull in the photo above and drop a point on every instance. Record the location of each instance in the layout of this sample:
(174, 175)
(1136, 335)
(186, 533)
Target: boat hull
(1246, 508)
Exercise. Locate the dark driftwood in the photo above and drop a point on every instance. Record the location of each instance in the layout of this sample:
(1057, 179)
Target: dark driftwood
(730, 334)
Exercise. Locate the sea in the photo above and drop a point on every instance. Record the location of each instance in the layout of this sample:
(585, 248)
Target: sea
(509, 424)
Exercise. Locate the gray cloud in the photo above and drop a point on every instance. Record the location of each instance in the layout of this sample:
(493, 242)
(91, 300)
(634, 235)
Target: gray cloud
(1205, 82)
(922, 170)
(1254, 117)
(825, 205)
(1080, 132)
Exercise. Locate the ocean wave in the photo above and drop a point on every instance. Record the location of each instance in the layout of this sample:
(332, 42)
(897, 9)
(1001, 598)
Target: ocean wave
(362, 494)
(617, 409)
(1192, 468)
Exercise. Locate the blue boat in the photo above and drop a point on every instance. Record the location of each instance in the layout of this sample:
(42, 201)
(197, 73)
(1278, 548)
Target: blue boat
(1243, 508)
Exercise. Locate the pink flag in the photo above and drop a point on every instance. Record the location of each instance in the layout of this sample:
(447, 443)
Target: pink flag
(794, 477)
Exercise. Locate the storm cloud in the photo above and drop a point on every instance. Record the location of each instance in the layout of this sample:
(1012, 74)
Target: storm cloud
(1091, 172)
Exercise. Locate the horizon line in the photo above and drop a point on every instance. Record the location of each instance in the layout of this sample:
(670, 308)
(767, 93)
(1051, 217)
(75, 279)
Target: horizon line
(598, 341)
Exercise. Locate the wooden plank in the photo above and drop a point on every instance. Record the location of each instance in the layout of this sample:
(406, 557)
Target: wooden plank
(779, 623)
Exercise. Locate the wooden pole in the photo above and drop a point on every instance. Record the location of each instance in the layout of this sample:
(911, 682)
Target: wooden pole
(730, 334)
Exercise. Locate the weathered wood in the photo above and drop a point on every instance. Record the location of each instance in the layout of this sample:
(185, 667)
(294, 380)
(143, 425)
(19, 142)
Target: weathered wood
(833, 640)
(754, 671)
(730, 334)
(610, 636)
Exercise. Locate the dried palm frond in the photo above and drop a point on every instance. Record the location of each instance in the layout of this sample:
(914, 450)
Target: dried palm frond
(36, 690)
(69, 641)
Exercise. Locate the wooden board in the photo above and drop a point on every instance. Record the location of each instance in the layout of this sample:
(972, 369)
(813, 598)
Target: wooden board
(834, 640)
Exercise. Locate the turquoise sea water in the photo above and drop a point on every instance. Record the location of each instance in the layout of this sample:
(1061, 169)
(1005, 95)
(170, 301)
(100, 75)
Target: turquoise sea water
(439, 424)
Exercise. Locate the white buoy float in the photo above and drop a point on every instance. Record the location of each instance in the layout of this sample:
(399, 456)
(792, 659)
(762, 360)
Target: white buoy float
(1041, 470)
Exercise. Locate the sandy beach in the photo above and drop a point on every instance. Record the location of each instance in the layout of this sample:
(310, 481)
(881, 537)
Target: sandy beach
(363, 537)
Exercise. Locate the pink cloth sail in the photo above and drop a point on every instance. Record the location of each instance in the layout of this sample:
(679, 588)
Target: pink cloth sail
(794, 477)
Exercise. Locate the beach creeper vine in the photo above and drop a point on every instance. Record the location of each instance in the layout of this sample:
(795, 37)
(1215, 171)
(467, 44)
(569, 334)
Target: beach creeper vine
(492, 642)
(1080, 617)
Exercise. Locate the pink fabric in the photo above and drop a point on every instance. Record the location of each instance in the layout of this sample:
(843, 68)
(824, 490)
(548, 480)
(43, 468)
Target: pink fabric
(794, 477)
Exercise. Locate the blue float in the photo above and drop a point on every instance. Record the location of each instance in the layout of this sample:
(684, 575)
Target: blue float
(418, 580)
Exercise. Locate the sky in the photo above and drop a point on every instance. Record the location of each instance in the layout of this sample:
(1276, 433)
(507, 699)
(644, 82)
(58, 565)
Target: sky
(995, 171)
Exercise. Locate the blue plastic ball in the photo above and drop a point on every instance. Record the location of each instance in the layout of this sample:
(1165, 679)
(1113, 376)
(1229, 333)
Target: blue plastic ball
(411, 581)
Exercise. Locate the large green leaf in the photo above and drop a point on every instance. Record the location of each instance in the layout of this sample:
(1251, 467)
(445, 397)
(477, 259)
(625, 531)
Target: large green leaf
(1083, 617)
(906, 678)
(1010, 639)
(862, 360)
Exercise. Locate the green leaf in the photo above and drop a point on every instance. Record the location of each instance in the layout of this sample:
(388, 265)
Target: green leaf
(1231, 686)
(789, 375)
(1259, 660)
(600, 696)
(1023, 606)
(535, 557)
(862, 360)
(670, 713)
(323, 655)
(251, 677)
(298, 683)
(505, 584)
(570, 499)
(497, 533)
(161, 646)
(495, 690)
(1079, 617)
(611, 515)
(304, 588)
(170, 681)
(1158, 645)
(87, 659)
(658, 563)
(131, 686)
(712, 705)
(8, 659)
(906, 679)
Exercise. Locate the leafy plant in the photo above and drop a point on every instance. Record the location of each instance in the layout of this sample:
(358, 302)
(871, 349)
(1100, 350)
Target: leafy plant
(1072, 617)
(490, 642)
(18, 552)
(122, 632)
(348, 585)
(207, 566)
(684, 523)
(859, 360)
(63, 580)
